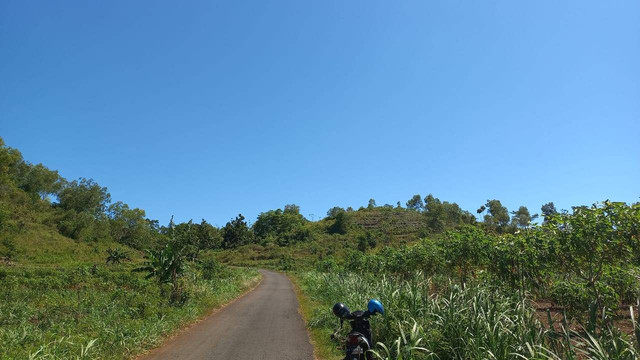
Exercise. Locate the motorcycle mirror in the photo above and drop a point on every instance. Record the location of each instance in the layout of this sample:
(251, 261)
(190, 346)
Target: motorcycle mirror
(341, 310)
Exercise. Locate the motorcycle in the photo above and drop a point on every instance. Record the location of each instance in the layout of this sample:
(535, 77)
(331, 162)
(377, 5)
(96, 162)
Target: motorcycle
(358, 341)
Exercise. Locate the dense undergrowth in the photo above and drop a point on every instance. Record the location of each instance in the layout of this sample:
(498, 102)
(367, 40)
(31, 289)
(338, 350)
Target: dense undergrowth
(434, 318)
(456, 286)
(104, 312)
(81, 277)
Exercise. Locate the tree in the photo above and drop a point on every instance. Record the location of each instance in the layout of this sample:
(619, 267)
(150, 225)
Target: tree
(236, 233)
(129, 226)
(207, 236)
(167, 265)
(442, 215)
(84, 195)
(415, 203)
(372, 204)
(184, 234)
(464, 250)
(522, 218)
(366, 240)
(594, 241)
(498, 215)
(292, 209)
(10, 161)
(548, 211)
(283, 225)
(331, 213)
(340, 224)
(521, 259)
(39, 180)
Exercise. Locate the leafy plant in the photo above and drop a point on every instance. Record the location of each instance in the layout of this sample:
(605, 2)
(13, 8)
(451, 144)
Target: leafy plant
(8, 249)
(594, 240)
(166, 265)
(117, 255)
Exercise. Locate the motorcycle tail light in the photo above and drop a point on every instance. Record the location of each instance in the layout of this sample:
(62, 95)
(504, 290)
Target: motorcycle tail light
(353, 339)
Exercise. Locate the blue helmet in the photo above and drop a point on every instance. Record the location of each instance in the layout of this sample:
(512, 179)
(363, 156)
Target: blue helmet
(374, 306)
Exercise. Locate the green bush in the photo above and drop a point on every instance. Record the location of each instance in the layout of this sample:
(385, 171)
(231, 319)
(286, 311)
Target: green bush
(328, 264)
(8, 249)
(212, 269)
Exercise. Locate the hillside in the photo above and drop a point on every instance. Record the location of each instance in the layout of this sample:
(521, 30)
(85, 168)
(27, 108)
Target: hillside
(86, 277)
(67, 261)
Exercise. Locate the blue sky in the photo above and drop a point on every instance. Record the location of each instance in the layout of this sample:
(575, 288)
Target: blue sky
(207, 109)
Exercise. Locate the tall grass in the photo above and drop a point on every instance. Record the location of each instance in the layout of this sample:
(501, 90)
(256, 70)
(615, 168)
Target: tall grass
(106, 313)
(425, 320)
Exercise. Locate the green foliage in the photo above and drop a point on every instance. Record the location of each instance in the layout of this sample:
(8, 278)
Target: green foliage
(58, 303)
(8, 249)
(212, 269)
(129, 226)
(82, 226)
(331, 213)
(10, 164)
(415, 203)
(522, 261)
(441, 216)
(207, 236)
(236, 233)
(39, 180)
(595, 240)
(286, 226)
(183, 237)
(167, 265)
(465, 250)
(328, 265)
(285, 262)
(164, 264)
(548, 211)
(366, 241)
(371, 204)
(497, 217)
(522, 218)
(292, 209)
(457, 324)
(340, 224)
(84, 196)
(473, 322)
(110, 313)
(5, 217)
(117, 255)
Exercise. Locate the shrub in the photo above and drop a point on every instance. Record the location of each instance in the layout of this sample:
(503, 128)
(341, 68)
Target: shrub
(8, 249)
(329, 264)
(211, 269)
(117, 255)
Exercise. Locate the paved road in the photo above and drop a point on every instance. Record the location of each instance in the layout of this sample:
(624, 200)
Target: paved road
(262, 325)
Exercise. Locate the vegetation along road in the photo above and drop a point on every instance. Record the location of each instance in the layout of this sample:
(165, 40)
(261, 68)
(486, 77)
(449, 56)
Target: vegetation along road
(264, 324)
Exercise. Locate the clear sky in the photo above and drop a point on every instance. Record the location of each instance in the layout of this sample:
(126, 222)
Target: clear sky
(205, 109)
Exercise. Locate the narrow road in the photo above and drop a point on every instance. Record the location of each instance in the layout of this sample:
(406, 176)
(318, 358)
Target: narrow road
(262, 325)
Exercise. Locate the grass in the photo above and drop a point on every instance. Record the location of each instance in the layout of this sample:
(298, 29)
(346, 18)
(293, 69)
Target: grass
(59, 299)
(39, 245)
(104, 313)
(323, 347)
(430, 318)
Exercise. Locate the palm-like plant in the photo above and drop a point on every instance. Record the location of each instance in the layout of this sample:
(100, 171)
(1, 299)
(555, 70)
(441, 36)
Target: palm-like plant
(166, 265)
(117, 255)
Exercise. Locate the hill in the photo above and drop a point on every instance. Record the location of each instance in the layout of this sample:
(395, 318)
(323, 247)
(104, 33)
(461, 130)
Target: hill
(67, 256)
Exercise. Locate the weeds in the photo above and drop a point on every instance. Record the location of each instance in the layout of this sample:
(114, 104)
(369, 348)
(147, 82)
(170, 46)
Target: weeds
(471, 322)
(112, 314)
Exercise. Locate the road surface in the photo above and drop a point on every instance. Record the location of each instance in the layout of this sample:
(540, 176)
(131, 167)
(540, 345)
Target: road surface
(262, 325)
